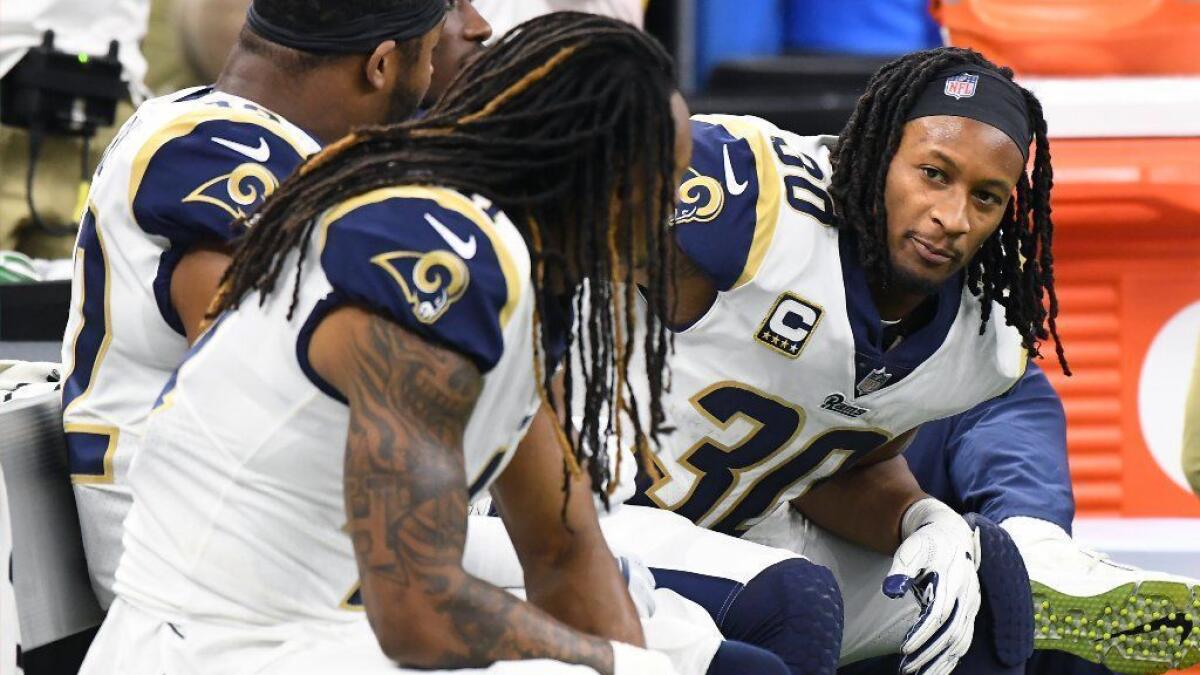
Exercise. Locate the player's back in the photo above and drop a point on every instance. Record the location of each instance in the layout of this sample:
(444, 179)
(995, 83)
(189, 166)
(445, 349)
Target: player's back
(784, 380)
(239, 513)
(181, 170)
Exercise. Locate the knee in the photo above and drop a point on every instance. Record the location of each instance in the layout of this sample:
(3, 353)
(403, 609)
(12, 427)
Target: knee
(794, 609)
(1006, 614)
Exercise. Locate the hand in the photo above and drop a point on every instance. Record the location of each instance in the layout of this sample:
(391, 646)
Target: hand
(641, 584)
(937, 560)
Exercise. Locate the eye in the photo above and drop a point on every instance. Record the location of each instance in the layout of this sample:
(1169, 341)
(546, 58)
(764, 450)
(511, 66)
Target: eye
(933, 173)
(988, 198)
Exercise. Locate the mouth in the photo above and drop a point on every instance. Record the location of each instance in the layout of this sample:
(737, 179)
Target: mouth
(931, 254)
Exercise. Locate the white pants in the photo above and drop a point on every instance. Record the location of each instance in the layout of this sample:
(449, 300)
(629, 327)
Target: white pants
(134, 642)
(874, 623)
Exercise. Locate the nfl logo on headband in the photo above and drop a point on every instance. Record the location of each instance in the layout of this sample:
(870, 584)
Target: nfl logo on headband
(961, 86)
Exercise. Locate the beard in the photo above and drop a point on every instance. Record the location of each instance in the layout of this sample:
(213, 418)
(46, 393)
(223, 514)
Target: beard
(403, 104)
(909, 282)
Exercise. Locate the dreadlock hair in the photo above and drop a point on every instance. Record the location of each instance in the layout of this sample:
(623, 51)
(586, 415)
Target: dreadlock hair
(1015, 266)
(566, 124)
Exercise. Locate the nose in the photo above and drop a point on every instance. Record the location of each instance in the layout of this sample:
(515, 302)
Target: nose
(475, 27)
(951, 212)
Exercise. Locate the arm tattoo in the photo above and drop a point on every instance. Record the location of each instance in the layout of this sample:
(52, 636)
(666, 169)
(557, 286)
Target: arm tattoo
(406, 500)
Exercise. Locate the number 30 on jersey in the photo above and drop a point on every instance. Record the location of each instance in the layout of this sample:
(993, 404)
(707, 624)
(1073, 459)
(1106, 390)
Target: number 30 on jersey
(733, 486)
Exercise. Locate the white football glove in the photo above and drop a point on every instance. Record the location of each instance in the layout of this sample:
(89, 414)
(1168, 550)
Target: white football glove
(937, 560)
(630, 660)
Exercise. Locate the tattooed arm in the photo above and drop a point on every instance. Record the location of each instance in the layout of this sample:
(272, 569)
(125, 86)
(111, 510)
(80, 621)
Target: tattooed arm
(569, 570)
(406, 500)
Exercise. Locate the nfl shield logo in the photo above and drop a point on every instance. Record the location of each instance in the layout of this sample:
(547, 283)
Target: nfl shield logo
(874, 381)
(961, 86)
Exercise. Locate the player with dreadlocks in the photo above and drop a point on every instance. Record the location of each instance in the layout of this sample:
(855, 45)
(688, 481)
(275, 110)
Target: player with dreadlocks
(381, 344)
(829, 296)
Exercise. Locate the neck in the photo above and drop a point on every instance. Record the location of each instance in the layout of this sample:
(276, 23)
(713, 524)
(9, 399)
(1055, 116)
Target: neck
(894, 304)
(301, 98)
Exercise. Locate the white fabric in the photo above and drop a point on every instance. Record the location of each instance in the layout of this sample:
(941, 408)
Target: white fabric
(504, 14)
(1063, 563)
(135, 642)
(10, 626)
(22, 380)
(83, 26)
(142, 350)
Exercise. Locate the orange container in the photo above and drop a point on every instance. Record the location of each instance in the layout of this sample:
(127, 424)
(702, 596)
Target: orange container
(1127, 263)
(1078, 37)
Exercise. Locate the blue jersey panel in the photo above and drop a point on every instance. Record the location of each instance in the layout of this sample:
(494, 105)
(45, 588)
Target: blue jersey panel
(196, 184)
(430, 268)
(1005, 457)
(716, 216)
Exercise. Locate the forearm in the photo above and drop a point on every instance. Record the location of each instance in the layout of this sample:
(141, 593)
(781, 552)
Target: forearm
(559, 542)
(607, 611)
(406, 506)
(865, 504)
(475, 624)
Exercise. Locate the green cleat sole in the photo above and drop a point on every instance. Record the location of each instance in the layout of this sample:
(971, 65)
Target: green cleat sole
(1149, 627)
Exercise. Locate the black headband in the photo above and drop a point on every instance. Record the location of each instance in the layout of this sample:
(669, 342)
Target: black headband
(979, 94)
(359, 36)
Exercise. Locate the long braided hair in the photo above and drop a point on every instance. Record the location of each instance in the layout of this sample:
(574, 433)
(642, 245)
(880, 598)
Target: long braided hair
(565, 124)
(1015, 266)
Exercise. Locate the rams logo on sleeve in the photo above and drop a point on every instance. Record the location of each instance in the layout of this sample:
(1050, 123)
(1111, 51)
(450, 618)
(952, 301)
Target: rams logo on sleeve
(238, 191)
(431, 282)
(431, 260)
(205, 170)
(701, 200)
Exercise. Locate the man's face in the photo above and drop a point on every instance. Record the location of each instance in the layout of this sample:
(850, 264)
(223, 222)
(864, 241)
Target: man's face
(463, 35)
(409, 88)
(947, 190)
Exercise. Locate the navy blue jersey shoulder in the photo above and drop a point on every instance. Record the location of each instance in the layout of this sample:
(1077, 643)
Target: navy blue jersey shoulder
(1005, 457)
(427, 264)
(717, 214)
(194, 178)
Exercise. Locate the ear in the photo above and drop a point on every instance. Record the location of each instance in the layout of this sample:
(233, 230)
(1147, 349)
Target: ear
(376, 65)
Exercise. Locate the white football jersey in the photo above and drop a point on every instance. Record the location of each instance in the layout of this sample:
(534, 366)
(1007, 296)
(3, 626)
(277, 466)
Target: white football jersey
(238, 508)
(785, 379)
(179, 172)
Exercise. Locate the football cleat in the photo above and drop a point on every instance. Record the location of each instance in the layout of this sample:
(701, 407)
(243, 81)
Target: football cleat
(1127, 619)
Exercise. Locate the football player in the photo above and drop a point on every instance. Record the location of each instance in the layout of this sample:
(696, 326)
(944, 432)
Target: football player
(154, 239)
(833, 294)
(383, 340)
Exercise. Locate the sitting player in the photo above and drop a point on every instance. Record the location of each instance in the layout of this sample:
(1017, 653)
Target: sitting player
(833, 295)
(153, 243)
(403, 298)
(932, 201)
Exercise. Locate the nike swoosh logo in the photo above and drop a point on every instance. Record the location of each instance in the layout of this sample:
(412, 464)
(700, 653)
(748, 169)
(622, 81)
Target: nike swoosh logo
(731, 182)
(260, 154)
(1169, 624)
(464, 249)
